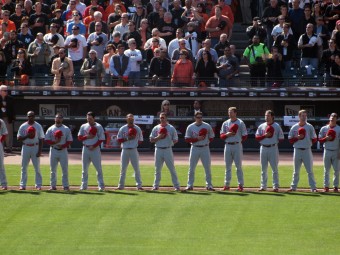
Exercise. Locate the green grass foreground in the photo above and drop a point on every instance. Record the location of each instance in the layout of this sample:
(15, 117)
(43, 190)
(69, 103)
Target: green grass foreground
(166, 222)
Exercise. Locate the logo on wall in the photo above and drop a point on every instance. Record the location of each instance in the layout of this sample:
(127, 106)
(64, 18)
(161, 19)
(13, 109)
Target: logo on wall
(50, 110)
(113, 111)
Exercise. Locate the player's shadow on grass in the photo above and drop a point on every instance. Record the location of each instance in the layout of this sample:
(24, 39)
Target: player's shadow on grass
(121, 192)
(241, 194)
(329, 194)
(27, 192)
(263, 193)
(304, 194)
(61, 192)
(201, 193)
(160, 192)
(86, 192)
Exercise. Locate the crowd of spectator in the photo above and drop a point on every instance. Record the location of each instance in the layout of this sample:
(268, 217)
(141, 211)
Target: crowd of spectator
(179, 42)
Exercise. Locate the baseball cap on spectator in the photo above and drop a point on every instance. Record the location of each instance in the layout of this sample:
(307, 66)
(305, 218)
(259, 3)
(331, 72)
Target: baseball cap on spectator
(92, 51)
(3, 87)
(57, 10)
(75, 27)
(257, 19)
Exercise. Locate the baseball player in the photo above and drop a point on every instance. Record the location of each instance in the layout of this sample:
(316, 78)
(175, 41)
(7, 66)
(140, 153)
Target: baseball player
(129, 136)
(3, 134)
(199, 134)
(59, 137)
(233, 132)
(92, 135)
(164, 136)
(31, 134)
(269, 134)
(302, 136)
(329, 136)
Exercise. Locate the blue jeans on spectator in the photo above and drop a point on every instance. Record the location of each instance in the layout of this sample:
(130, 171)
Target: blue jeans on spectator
(134, 79)
(314, 62)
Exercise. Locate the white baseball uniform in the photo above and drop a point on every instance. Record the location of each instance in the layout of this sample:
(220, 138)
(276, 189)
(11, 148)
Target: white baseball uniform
(58, 153)
(93, 156)
(29, 150)
(163, 153)
(233, 150)
(303, 153)
(199, 150)
(129, 153)
(269, 152)
(330, 155)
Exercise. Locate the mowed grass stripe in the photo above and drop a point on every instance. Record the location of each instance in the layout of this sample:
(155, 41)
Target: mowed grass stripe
(252, 176)
(130, 222)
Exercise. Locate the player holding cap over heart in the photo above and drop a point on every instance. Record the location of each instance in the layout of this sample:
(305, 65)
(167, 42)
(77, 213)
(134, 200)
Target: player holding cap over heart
(199, 134)
(302, 136)
(129, 136)
(329, 136)
(164, 136)
(269, 134)
(59, 137)
(233, 132)
(92, 135)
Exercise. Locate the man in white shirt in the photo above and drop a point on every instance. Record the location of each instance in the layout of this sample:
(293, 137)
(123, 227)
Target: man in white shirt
(135, 58)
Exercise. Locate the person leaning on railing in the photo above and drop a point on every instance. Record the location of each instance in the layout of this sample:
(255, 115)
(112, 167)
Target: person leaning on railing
(62, 68)
(183, 71)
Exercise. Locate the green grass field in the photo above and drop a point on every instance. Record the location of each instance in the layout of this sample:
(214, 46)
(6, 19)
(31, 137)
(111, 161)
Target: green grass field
(166, 222)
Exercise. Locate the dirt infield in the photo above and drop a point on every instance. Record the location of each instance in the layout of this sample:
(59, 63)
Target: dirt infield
(181, 158)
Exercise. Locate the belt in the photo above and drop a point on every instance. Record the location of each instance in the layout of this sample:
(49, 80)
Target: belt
(30, 144)
(200, 146)
(162, 148)
(128, 148)
(233, 143)
(268, 145)
(57, 148)
(302, 149)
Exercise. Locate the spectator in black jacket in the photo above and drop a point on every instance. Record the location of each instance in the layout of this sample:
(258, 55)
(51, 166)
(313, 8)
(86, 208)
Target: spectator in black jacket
(222, 44)
(160, 68)
(269, 18)
(256, 29)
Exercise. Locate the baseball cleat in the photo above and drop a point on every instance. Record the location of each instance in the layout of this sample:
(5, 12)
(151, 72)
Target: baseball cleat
(66, 188)
(177, 189)
(189, 188)
(291, 190)
(22, 188)
(101, 189)
(335, 189)
(210, 189)
(240, 188)
(261, 189)
(276, 190)
(4, 187)
(52, 188)
(155, 188)
(38, 188)
(226, 188)
(314, 190)
(325, 189)
(140, 188)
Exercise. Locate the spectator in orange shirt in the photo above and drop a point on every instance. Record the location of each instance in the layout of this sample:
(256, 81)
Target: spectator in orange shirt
(5, 18)
(226, 11)
(94, 3)
(111, 8)
(183, 71)
(218, 25)
(87, 21)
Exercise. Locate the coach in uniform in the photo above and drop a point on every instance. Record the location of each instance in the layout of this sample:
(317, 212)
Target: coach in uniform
(302, 136)
(129, 136)
(233, 132)
(3, 134)
(329, 135)
(31, 134)
(59, 137)
(92, 135)
(269, 134)
(199, 134)
(164, 136)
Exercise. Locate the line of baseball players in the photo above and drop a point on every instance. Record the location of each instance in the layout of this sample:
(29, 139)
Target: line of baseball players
(199, 134)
